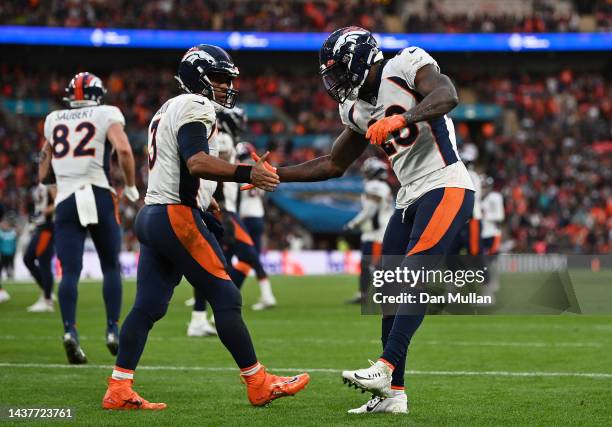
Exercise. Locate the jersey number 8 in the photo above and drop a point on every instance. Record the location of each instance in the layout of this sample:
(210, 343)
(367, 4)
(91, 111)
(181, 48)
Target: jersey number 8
(61, 145)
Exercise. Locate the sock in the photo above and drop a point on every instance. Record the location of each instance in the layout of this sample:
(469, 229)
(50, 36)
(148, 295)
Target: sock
(122, 374)
(250, 372)
(265, 289)
(111, 290)
(397, 390)
(67, 296)
(199, 316)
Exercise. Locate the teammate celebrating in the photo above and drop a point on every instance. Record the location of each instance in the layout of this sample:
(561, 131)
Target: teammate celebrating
(37, 257)
(79, 143)
(400, 105)
(376, 209)
(174, 240)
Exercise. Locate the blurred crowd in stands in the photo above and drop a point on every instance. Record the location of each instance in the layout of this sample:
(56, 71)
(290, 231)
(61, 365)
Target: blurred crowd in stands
(549, 153)
(421, 16)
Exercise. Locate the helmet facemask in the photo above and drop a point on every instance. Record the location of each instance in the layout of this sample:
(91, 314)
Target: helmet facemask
(214, 89)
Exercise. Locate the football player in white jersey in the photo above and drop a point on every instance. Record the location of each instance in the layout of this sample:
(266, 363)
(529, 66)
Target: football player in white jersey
(79, 144)
(251, 201)
(376, 209)
(399, 104)
(39, 252)
(174, 240)
(493, 215)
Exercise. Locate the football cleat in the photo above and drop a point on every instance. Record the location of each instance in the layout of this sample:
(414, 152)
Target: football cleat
(112, 343)
(74, 352)
(200, 329)
(4, 296)
(120, 395)
(391, 405)
(190, 302)
(356, 299)
(42, 305)
(376, 379)
(262, 387)
(264, 304)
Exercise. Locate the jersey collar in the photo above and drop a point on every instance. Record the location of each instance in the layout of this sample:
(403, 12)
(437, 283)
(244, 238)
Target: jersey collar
(371, 96)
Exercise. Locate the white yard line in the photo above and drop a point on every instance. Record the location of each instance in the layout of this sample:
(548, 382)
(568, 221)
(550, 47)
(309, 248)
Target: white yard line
(328, 341)
(321, 370)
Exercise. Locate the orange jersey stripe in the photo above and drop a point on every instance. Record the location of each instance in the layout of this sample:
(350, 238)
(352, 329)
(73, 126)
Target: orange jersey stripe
(241, 234)
(474, 237)
(188, 233)
(495, 245)
(43, 242)
(441, 220)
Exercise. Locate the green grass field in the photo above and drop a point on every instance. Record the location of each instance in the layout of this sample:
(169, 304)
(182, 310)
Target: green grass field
(487, 370)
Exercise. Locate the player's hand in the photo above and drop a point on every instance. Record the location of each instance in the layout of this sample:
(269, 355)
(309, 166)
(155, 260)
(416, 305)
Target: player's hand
(263, 175)
(378, 132)
(131, 193)
(267, 165)
(213, 206)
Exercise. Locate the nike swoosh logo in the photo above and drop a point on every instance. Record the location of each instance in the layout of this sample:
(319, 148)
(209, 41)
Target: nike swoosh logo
(360, 377)
(371, 408)
(198, 102)
(133, 402)
(413, 50)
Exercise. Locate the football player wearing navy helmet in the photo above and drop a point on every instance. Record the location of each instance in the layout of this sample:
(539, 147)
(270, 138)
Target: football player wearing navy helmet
(399, 105)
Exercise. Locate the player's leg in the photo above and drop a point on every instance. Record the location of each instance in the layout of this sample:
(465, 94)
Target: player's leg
(364, 275)
(199, 326)
(69, 243)
(395, 242)
(203, 264)
(439, 216)
(106, 236)
(255, 228)
(37, 258)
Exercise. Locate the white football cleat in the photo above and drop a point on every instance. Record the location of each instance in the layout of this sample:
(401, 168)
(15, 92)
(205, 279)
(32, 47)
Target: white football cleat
(4, 296)
(264, 304)
(190, 302)
(376, 379)
(397, 404)
(42, 305)
(199, 328)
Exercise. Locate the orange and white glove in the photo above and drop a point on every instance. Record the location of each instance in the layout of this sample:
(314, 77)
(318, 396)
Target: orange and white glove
(267, 165)
(377, 133)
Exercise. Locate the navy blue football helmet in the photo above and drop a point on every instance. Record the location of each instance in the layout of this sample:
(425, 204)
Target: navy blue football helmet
(203, 65)
(84, 90)
(345, 60)
(232, 121)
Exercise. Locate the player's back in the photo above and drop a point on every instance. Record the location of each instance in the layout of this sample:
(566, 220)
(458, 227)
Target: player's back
(251, 203)
(169, 179)
(80, 150)
(374, 230)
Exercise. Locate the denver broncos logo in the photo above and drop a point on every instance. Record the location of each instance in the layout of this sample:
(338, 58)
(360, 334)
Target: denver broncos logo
(349, 37)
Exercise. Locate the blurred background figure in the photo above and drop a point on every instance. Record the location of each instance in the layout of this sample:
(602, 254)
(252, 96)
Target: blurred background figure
(8, 248)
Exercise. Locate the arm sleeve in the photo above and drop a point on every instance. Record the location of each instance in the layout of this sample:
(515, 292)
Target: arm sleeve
(368, 210)
(192, 139)
(412, 60)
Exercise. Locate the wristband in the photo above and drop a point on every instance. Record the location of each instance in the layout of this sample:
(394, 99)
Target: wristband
(242, 173)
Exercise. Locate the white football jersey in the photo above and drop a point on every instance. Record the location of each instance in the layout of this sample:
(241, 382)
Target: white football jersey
(169, 179)
(424, 151)
(227, 151)
(477, 212)
(373, 218)
(42, 200)
(251, 203)
(492, 214)
(80, 151)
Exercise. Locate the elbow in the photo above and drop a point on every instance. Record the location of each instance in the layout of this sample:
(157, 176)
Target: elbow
(337, 172)
(453, 100)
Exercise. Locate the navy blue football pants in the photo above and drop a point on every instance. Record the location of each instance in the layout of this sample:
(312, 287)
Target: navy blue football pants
(420, 232)
(69, 243)
(174, 242)
(37, 258)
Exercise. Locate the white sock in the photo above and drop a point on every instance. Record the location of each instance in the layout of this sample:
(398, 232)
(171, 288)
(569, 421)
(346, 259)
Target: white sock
(396, 393)
(122, 374)
(199, 316)
(265, 289)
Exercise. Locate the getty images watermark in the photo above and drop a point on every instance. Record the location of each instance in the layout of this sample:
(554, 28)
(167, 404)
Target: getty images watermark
(407, 277)
(503, 284)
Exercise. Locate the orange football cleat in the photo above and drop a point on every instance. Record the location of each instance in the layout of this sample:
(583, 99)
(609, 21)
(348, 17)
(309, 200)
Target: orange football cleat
(120, 395)
(262, 387)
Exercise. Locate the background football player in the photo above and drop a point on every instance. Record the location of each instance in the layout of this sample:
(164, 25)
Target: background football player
(79, 144)
(39, 252)
(376, 209)
(174, 240)
(400, 105)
